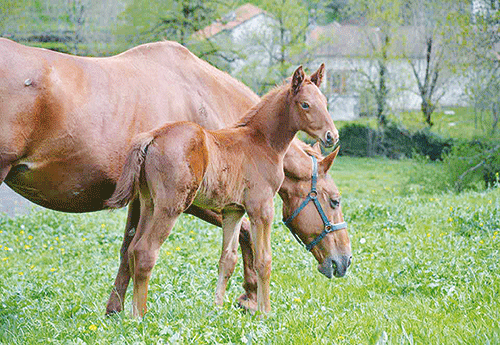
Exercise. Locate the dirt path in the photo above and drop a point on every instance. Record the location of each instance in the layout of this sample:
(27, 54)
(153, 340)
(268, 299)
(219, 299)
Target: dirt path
(12, 203)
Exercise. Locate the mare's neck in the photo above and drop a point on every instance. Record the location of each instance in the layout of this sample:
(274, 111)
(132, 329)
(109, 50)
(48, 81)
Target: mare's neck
(271, 120)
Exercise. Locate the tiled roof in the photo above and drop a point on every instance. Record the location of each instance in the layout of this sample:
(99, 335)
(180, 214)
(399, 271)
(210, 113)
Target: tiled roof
(233, 19)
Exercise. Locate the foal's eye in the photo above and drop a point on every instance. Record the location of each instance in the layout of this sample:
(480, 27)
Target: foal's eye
(304, 105)
(334, 203)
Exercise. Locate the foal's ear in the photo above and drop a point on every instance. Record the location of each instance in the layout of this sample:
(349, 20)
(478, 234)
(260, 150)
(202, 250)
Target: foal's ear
(317, 77)
(327, 162)
(297, 79)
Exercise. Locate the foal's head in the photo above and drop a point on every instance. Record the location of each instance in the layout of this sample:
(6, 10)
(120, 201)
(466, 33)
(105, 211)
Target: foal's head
(309, 107)
(327, 240)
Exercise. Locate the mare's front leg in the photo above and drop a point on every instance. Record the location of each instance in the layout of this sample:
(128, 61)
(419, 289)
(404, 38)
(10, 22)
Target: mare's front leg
(231, 223)
(117, 296)
(261, 218)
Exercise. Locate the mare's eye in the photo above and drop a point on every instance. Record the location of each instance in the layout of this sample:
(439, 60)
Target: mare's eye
(304, 105)
(334, 203)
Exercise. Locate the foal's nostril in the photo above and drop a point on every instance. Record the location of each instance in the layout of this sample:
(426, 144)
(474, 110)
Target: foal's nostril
(329, 137)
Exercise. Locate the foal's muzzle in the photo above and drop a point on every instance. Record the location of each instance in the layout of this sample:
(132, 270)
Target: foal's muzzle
(329, 139)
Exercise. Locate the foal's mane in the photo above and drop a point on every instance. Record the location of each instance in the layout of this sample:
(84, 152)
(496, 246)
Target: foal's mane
(266, 100)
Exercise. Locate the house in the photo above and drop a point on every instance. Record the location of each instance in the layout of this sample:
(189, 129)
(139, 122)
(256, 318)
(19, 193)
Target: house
(350, 53)
(251, 40)
(247, 35)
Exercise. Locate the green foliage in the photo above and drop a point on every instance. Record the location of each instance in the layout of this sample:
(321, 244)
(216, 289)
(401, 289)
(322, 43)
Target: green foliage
(425, 270)
(473, 164)
(392, 141)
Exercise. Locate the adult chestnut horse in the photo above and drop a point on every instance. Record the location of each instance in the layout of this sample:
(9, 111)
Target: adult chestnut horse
(231, 171)
(66, 123)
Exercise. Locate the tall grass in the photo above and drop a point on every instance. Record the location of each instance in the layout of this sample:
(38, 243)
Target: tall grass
(425, 271)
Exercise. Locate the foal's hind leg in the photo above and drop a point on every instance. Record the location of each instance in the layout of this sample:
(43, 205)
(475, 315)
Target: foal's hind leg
(231, 222)
(117, 296)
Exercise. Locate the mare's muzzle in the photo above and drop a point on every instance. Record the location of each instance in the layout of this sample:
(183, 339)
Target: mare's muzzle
(335, 266)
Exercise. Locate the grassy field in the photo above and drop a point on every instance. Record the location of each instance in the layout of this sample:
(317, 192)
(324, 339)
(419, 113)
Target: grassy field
(425, 271)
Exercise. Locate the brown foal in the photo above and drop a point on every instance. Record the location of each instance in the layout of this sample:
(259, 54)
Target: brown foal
(231, 170)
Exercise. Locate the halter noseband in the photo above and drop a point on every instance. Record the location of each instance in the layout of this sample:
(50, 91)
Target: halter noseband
(313, 196)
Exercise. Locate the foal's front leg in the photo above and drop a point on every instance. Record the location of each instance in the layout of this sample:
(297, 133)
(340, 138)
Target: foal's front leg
(231, 223)
(261, 218)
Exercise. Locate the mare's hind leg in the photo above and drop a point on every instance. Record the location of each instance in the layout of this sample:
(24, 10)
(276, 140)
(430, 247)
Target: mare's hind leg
(154, 228)
(231, 222)
(117, 296)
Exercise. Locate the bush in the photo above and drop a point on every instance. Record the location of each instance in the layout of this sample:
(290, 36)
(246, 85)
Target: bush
(470, 164)
(392, 141)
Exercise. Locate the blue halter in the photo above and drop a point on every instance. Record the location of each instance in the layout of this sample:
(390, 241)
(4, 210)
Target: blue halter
(313, 196)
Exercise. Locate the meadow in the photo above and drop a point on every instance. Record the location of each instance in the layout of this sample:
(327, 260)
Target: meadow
(425, 271)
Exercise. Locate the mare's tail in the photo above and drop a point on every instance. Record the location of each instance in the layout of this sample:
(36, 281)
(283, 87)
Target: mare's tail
(128, 183)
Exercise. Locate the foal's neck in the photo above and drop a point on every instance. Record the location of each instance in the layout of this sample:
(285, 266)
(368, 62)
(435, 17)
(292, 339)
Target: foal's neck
(271, 119)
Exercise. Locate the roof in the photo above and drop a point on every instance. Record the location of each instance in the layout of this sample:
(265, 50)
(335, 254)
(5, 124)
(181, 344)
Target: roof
(230, 21)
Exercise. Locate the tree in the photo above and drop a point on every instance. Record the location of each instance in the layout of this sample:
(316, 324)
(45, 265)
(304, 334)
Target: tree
(480, 63)
(383, 17)
(176, 20)
(437, 24)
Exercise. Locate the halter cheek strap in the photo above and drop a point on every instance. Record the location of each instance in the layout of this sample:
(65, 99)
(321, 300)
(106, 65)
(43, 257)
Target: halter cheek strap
(313, 196)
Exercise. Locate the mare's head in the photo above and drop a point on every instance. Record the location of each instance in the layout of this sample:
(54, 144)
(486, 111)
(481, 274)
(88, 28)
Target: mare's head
(309, 107)
(312, 209)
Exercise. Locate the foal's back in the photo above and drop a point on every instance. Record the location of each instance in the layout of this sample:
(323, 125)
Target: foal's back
(186, 163)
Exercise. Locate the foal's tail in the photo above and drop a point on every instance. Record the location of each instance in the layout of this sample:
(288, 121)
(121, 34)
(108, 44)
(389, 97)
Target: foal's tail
(128, 183)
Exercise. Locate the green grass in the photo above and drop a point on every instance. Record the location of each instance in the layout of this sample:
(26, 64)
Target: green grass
(425, 271)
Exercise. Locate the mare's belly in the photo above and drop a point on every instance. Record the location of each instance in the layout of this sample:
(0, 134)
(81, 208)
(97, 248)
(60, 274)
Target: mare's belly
(62, 187)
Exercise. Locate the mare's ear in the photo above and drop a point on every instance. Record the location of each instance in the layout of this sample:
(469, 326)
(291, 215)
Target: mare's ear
(327, 162)
(317, 77)
(297, 79)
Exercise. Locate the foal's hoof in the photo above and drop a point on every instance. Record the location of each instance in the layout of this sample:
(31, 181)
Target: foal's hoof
(247, 303)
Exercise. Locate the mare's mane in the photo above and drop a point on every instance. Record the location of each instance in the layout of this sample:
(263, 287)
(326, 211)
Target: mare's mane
(309, 149)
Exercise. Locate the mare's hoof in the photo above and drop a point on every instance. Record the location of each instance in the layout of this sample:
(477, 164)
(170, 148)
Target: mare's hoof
(113, 307)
